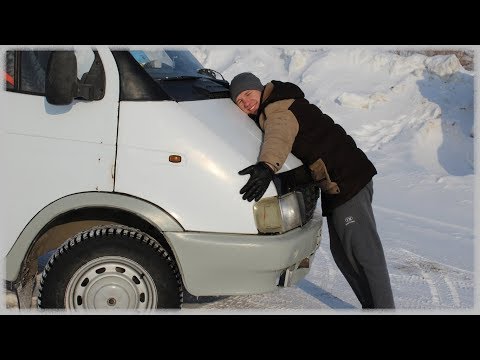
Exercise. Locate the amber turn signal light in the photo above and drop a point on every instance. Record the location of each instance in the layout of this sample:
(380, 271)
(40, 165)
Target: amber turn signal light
(175, 158)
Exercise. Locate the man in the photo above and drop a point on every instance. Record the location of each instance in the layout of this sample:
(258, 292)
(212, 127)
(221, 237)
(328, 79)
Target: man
(341, 170)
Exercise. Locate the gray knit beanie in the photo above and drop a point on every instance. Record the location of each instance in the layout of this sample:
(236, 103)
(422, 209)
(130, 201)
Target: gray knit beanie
(242, 82)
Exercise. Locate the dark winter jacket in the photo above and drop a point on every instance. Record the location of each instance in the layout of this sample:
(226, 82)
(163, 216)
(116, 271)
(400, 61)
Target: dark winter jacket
(292, 124)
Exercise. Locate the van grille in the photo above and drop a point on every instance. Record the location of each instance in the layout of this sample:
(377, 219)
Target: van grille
(310, 198)
(299, 179)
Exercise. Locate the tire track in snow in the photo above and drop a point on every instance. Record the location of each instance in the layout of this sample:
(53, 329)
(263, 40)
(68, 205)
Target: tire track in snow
(431, 284)
(453, 291)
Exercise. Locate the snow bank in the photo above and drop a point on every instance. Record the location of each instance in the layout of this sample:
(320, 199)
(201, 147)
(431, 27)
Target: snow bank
(443, 65)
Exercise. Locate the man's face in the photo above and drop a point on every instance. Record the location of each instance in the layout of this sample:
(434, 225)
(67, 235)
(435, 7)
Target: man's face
(248, 101)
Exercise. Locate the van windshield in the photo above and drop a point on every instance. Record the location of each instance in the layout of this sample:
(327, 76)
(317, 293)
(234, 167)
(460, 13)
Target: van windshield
(168, 64)
(179, 75)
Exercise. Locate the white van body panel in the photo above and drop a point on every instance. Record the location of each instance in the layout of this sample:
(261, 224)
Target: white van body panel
(108, 161)
(215, 141)
(48, 152)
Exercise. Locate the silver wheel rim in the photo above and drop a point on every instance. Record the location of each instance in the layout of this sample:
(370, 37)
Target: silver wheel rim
(111, 282)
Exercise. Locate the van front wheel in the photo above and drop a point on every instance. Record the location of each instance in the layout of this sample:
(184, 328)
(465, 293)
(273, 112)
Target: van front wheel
(110, 267)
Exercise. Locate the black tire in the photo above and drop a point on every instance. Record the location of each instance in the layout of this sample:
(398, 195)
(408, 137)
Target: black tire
(110, 267)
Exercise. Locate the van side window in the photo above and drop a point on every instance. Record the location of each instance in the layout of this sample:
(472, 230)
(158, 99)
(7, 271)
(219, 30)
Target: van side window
(33, 67)
(9, 70)
(25, 71)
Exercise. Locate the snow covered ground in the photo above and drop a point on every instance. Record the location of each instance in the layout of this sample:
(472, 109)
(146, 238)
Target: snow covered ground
(414, 118)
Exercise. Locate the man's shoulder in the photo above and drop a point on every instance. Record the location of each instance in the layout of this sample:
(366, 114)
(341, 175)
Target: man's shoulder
(286, 90)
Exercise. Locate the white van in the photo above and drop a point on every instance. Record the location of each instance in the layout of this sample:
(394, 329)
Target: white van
(126, 162)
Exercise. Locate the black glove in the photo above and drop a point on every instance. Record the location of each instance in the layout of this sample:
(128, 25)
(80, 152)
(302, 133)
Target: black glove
(260, 176)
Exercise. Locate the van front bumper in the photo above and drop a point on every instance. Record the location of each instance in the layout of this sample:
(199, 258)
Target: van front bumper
(239, 264)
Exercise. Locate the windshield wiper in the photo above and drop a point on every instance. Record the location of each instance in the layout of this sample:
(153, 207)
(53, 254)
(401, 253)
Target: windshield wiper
(221, 81)
(213, 77)
(180, 77)
(211, 73)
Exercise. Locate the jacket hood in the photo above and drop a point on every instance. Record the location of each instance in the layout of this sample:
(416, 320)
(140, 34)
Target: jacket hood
(278, 90)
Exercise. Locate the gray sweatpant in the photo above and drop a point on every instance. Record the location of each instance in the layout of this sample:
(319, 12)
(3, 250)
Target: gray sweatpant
(358, 252)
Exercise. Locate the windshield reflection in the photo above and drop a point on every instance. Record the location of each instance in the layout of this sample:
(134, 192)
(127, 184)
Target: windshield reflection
(169, 64)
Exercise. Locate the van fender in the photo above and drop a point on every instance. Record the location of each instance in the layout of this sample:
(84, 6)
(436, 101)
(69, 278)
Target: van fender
(139, 207)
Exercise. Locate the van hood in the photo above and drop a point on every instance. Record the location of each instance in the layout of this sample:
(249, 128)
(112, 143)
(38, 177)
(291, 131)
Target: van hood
(238, 130)
(215, 140)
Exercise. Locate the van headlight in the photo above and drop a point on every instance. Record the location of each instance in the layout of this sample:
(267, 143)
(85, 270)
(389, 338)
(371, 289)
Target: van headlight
(278, 214)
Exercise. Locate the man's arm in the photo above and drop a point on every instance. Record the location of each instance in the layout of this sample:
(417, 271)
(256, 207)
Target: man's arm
(280, 128)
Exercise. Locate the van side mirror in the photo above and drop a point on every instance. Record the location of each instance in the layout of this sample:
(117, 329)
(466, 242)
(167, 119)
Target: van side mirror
(61, 83)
